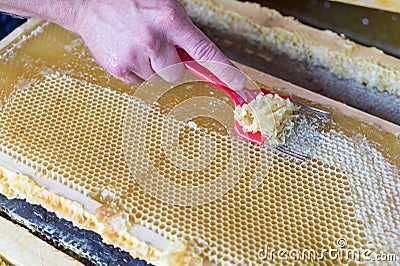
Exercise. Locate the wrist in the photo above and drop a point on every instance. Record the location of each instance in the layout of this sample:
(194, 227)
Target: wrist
(67, 14)
(70, 14)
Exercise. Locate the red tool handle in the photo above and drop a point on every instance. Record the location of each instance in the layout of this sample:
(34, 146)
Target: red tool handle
(206, 75)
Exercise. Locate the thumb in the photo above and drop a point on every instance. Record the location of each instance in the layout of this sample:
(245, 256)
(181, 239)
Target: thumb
(206, 53)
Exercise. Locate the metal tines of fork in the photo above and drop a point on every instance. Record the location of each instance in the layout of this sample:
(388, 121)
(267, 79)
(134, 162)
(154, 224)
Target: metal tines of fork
(304, 137)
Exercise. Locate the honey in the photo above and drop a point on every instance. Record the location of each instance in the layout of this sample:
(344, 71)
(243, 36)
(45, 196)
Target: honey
(369, 26)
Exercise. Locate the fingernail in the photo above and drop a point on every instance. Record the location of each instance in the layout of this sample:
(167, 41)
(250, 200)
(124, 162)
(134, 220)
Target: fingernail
(237, 82)
(233, 78)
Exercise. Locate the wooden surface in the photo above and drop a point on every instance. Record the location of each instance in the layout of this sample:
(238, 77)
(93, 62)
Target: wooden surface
(20, 247)
(17, 33)
(388, 5)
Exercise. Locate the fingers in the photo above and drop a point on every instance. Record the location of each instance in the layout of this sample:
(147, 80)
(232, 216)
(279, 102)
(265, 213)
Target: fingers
(124, 74)
(130, 77)
(141, 66)
(136, 72)
(166, 63)
(202, 49)
(149, 65)
(228, 74)
(136, 53)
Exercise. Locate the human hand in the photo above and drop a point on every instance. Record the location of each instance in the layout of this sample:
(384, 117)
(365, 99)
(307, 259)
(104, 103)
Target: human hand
(134, 39)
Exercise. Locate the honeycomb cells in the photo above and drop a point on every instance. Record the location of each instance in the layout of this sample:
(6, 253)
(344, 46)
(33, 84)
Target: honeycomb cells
(76, 130)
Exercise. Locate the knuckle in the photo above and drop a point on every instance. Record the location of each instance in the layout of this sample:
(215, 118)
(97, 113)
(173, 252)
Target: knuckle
(171, 15)
(118, 70)
(151, 47)
(148, 42)
(169, 9)
(204, 50)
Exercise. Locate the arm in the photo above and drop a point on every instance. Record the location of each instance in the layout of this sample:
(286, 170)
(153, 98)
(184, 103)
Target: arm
(63, 13)
(131, 39)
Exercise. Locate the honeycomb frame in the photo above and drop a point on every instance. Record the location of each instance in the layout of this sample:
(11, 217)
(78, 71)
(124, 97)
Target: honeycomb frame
(71, 129)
